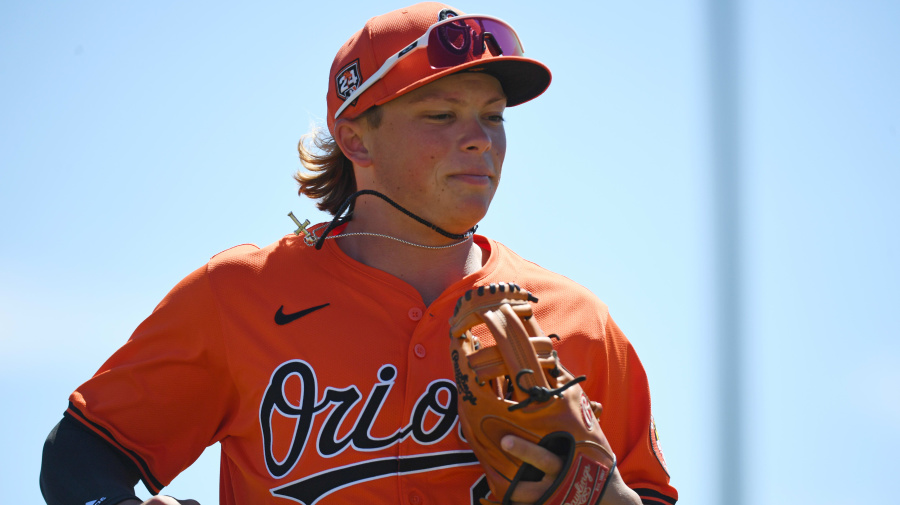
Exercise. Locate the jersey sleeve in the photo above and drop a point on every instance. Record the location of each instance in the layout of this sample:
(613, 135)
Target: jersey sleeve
(165, 395)
(628, 423)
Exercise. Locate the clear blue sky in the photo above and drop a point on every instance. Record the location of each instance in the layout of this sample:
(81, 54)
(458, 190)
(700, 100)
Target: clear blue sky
(137, 139)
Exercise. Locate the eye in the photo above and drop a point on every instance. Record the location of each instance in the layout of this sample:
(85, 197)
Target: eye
(496, 118)
(440, 116)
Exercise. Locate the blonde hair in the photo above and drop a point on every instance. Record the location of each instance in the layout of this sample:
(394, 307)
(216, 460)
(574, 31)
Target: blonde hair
(330, 178)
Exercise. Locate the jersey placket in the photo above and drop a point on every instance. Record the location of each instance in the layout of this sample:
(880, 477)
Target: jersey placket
(427, 384)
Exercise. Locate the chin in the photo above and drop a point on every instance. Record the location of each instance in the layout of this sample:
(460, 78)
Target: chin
(465, 218)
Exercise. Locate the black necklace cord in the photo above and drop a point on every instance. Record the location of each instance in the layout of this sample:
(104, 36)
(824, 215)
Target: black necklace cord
(338, 220)
(348, 204)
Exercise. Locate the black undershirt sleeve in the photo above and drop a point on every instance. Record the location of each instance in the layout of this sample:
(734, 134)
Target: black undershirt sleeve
(79, 467)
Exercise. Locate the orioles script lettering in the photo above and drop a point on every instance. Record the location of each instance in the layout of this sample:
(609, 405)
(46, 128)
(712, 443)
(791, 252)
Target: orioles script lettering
(439, 398)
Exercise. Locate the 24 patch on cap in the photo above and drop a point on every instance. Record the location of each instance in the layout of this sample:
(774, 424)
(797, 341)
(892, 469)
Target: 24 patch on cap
(347, 80)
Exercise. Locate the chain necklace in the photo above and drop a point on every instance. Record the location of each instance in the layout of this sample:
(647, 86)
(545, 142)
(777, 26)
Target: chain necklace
(311, 239)
(370, 234)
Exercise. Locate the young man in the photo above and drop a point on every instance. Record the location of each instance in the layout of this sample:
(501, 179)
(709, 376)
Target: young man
(321, 362)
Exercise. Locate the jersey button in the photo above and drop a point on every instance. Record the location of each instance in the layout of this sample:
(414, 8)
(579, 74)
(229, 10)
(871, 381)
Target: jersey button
(415, 313)
(419, 349)
(415, 498)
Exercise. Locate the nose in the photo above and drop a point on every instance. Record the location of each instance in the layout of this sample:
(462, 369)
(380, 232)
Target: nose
(477, 137)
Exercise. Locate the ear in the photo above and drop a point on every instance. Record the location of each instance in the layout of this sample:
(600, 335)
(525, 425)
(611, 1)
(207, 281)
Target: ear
(350, 135)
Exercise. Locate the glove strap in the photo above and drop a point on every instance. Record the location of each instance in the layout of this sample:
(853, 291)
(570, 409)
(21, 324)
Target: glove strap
(539, 394)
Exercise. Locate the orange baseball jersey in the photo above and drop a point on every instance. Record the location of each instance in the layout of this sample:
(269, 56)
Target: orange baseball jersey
(328, 381)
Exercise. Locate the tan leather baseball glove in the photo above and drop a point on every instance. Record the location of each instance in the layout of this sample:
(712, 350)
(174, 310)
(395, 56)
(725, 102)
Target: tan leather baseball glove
(519, 387)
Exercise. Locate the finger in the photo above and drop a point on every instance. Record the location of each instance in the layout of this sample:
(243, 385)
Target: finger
(533, 454)
(597, 407)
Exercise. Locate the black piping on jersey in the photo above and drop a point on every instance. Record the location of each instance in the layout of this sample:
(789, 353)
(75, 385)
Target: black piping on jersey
(153, 484)
(653, 496)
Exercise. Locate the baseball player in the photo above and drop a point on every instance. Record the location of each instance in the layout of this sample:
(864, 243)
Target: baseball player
(320, 363)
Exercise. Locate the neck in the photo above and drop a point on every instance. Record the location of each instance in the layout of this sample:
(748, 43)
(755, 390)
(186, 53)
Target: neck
(341, 218)
(429, 271)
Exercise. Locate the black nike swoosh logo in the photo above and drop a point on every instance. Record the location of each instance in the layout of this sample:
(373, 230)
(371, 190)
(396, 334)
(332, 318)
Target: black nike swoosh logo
(282, 318)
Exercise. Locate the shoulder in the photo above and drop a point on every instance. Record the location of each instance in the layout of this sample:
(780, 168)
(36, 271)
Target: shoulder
(555, 292)
(236, 273)
(250, 259)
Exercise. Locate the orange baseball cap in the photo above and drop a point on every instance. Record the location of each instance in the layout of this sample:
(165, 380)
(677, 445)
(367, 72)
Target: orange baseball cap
(384, 37)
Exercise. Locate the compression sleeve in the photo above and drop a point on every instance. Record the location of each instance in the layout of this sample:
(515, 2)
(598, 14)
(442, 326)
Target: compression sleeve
(80, 467)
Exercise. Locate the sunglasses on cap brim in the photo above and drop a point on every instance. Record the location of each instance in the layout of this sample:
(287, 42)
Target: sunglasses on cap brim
(451, 42)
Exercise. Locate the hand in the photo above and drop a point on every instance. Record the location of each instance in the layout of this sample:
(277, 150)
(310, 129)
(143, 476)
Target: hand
(551, 464)
(538, 457)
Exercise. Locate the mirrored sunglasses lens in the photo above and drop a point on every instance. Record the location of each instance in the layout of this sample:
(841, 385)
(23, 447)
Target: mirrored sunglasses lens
(457, 42)
(504, 37)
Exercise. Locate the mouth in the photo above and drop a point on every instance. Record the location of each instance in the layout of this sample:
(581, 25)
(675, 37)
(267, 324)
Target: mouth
(476, 178)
